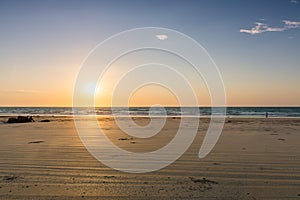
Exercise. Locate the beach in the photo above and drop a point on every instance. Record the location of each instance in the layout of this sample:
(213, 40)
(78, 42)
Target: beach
(254, 158)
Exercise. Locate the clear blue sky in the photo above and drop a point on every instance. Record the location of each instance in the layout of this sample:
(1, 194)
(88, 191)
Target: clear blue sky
(44, 42)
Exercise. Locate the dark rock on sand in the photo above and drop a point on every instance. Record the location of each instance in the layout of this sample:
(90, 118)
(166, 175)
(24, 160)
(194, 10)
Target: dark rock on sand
(122, 139)
(20, 119)
(45, 120)
(36, 142)
(203, 181)
(108, 177)
(9, 178)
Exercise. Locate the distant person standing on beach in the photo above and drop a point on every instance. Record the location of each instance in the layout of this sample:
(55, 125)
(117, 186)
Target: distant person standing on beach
(267, 114)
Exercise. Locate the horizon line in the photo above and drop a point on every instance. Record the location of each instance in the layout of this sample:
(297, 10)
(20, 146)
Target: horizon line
(145, 106)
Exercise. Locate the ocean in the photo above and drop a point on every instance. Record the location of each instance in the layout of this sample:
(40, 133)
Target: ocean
(145, 111)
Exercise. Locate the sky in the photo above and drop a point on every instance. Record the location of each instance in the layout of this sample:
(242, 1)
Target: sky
(255, 44)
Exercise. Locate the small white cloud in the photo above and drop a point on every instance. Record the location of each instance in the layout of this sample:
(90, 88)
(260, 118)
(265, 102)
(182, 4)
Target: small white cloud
(161, 37)
(262, 27)
(294, 1)
(291, 24)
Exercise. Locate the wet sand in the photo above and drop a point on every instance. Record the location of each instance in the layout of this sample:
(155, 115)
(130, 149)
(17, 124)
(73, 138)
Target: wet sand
(253, 159)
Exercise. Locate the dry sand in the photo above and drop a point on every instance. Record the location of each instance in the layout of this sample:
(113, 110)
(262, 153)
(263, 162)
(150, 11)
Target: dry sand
(253, 159)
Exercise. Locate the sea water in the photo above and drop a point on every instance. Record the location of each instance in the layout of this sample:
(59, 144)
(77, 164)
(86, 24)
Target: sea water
(159, 111)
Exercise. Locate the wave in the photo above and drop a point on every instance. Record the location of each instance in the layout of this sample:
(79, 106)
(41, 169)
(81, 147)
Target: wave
(153, 111)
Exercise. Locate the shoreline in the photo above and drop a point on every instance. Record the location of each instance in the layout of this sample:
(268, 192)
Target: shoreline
(232, 112)
(158, 116)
